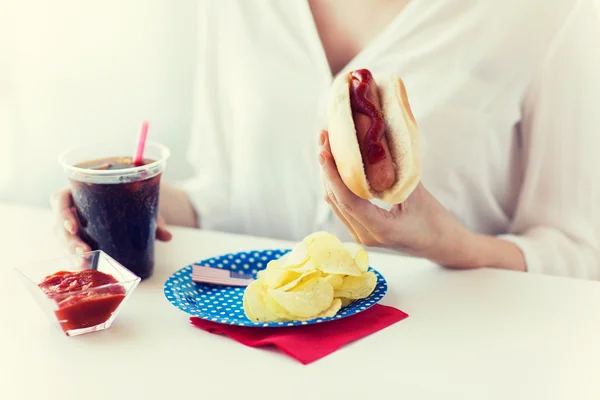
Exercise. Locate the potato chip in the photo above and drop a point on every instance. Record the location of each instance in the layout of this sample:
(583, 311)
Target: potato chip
(275, 276)
(275, 308)
(334, 280)
(283, 259)
(331, 257)
(330, 312)
(297, 257)
(357, 287)
(359, 255)
(333, 309)
(314, 280)
(313, 236)
(306, 300)
(255, 306)
(308, 266)
(300, 280)
(346, 301)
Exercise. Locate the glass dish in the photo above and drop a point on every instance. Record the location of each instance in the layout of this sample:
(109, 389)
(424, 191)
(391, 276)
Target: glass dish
(77, 309)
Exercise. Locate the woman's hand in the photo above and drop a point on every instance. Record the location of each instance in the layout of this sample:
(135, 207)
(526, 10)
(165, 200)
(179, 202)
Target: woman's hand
(420, 226)
(66, 227)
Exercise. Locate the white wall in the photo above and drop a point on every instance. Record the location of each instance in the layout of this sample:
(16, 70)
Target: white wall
(73, 70)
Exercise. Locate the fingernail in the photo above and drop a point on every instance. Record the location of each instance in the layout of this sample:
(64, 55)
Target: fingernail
(78, 250)
(322, 139)
(69, 226)
(321, 159)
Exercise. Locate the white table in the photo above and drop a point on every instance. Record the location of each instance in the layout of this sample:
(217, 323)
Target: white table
(481, 334)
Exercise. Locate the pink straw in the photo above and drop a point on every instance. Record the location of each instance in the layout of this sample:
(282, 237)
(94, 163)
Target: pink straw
(139, 155)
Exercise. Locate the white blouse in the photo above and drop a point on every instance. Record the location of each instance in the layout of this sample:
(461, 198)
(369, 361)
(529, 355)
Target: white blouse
(506, 94)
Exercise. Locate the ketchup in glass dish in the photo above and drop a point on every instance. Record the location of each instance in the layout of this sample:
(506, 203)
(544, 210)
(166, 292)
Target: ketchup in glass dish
(78, 306)
(81, 293)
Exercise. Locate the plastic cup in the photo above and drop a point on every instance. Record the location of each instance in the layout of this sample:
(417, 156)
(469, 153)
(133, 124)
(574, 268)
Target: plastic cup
(117, 209)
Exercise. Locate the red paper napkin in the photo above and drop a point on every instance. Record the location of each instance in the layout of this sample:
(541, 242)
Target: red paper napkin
(308, 343)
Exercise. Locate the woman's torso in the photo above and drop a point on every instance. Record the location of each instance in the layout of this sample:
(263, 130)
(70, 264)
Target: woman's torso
(466, 65)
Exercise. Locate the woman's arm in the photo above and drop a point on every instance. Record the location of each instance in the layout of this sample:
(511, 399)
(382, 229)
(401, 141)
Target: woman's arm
(555, 228)
(557, 222)
(176, 208)
(205, 196)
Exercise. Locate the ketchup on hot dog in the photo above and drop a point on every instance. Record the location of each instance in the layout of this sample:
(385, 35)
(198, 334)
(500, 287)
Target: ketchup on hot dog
(370, 130)
(360, 104)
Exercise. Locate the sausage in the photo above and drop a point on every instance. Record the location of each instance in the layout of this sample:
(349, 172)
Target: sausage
(370, 131)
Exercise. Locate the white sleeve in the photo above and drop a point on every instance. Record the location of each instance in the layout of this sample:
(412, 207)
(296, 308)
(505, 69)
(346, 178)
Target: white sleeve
(557, 222)
(208, 189)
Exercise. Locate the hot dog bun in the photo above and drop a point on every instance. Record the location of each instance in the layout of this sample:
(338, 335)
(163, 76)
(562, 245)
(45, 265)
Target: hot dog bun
(402, 135)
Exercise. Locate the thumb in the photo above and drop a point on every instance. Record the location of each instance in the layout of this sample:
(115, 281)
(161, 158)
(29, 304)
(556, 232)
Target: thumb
(162, 233)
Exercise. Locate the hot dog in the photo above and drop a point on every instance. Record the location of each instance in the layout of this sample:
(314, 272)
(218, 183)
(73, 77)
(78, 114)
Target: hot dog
(373, 135)
(370, 130)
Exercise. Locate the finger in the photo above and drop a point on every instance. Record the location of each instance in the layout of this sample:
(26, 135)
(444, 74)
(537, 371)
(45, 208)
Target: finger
(363, 211)
(74, 245)
(346, 219)
(67, 241)
(163, 234)
(356, 230)
(329, 198)
(370, 222)
(62, 205)
(359, 232)
(66, 226)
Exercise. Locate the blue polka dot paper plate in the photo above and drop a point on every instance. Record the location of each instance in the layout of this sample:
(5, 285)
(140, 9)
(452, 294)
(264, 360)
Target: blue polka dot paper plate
(223, 304)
